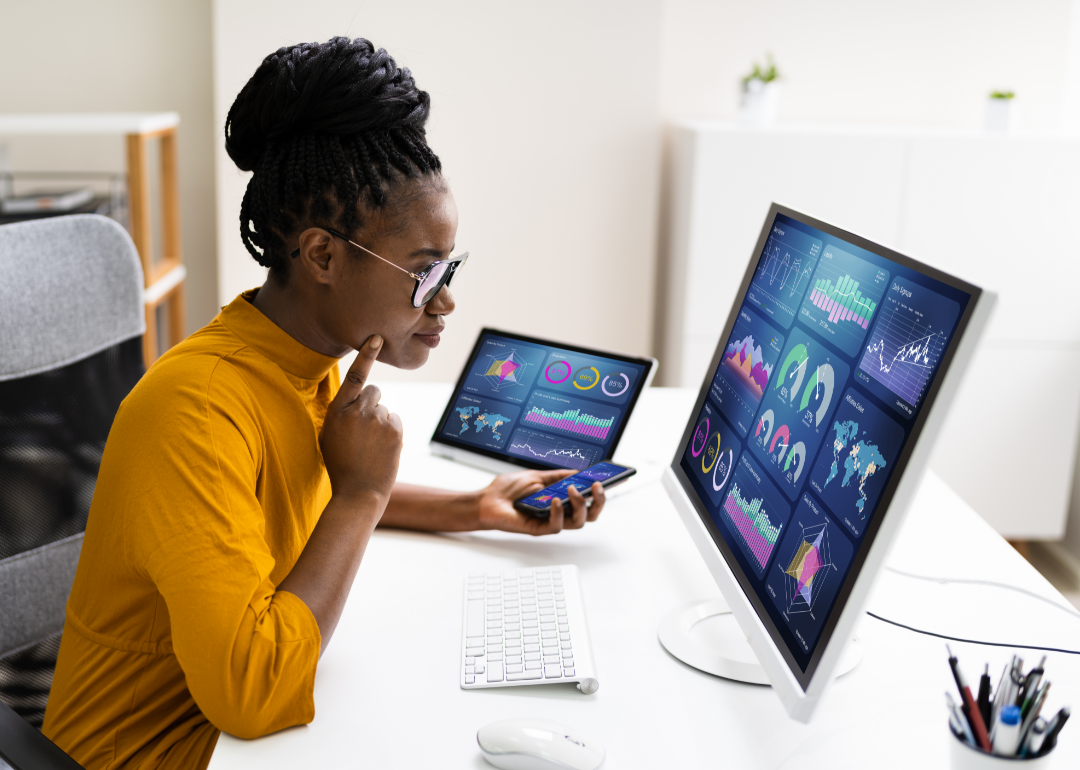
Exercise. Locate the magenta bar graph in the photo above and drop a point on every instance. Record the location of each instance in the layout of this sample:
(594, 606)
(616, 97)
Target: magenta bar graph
(572, 420)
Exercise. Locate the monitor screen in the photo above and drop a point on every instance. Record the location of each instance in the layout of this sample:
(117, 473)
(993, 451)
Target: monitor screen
(540, 404)
(808, 414)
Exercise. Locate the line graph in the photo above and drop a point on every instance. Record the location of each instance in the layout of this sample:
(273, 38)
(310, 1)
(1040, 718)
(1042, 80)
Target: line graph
(908, 340)
(783, 273)
(548, 449)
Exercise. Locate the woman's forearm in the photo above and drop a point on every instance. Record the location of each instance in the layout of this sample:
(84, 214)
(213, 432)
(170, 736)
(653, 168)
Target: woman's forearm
(432, 510)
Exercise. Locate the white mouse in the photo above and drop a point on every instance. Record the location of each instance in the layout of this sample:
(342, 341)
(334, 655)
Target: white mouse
(537, 744)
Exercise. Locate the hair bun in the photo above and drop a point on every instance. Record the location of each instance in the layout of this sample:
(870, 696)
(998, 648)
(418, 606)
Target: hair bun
(337, 88)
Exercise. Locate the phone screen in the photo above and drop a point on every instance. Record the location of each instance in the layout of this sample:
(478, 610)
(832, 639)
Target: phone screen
(583, 480)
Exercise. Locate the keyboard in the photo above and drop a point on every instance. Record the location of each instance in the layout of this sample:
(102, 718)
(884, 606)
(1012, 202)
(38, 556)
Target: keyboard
(526, 626)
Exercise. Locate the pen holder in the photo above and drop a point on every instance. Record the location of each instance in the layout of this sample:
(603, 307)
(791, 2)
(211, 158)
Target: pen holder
(965, 757)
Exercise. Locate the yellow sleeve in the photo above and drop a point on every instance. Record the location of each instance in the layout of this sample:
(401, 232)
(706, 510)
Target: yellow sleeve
(248, 651)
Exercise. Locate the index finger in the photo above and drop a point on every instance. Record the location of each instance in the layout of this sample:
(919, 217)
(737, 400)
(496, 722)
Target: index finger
(352, 384)
(548, 478)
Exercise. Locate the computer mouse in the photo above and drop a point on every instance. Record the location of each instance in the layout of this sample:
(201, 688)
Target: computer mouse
(537, 744)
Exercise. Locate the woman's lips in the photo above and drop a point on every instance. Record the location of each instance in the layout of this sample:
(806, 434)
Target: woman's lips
(430, 337)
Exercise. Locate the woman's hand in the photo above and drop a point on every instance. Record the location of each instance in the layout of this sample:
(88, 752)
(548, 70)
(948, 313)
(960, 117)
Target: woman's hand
(360, 438)
(497, 504)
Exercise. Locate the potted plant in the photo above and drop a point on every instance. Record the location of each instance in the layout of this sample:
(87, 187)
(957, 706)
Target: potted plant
(996, 117)
(760, 95)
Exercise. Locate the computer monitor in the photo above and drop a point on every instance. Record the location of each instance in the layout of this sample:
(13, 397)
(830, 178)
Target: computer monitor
(811, 432)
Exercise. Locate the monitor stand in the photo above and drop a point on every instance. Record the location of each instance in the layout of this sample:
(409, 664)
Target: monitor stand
(719, 646)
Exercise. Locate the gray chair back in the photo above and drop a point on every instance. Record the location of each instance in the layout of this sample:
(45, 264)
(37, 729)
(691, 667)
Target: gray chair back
(71, 322)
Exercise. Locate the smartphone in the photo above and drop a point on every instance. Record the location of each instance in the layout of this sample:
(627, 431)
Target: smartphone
(608, 474)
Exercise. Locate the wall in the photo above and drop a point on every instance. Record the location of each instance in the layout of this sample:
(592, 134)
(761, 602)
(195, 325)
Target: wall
(546, 121)
(922, 62)
(121, 56)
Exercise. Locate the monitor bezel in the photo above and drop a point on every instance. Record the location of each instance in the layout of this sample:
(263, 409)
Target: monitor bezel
(650, 365)
(804, 679)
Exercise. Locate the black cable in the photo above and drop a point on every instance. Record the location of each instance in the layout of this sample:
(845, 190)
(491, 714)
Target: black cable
(972, 641)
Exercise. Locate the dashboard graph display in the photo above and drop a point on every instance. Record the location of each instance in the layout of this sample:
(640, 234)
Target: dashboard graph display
(851, 471)
(712, 452)
(812, 559)
(793, 418)
(907, 344)
(756, 512)
(504, 369)
(745, 368)
(557, 451)
(844, 297)
(538, 405)
(783, 274)
(800, 429)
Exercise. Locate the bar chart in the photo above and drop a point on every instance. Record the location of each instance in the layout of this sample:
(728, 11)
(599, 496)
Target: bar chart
(843, 298)
(571, 416)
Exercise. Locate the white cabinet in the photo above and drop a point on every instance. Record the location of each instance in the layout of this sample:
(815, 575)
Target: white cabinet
(999, 211)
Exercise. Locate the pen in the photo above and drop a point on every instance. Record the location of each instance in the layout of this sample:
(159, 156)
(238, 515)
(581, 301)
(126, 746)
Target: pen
(1035, 706)
(959, 723)
(1035, 738)
(1052, 730)
(999, 698)
(984, 695)
(1031, 685)
(971, 711)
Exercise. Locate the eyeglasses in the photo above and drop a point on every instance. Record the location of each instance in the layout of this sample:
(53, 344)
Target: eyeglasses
(429, 281)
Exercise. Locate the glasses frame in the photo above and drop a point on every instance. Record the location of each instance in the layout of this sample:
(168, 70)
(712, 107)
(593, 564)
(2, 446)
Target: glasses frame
(454, 262)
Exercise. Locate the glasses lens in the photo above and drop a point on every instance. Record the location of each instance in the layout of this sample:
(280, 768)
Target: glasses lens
(432, 282)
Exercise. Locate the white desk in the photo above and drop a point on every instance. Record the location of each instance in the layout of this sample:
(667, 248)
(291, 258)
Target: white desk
(387, 692)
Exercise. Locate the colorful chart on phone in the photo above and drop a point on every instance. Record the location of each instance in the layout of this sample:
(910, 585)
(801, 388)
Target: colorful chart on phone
(843, 298)
(854, 465)
(783, 273)
(712, 451)
(793, 417)
(811, 563)
(746, 367)
(755, 512)
(906, 346)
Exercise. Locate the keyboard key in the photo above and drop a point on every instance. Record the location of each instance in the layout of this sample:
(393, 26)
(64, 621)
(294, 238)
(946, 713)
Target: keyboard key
(532, 638)
(538, 674)
(512, 633)
(470, 670)
(474, 625)
(546, 612)
(533, 665)
(547, 626)
(474, 652)
(564, 637)
(561, 613)
(479, 670)
(494, 656)
(512, 659)
(494, 648)
(515, 668)
(552, 672)
(565, 645)
(548, 635)
(470, 679)
(551, 659)
(568, 672)
(560, 605)
(532, 656)
(532, 648)
(512, 649)
(495, 672)
(568, 662)
(469, 661)
(528, 624)
(548, 603)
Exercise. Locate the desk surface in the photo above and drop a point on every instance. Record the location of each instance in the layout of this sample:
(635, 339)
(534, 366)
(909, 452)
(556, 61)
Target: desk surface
(387, 694)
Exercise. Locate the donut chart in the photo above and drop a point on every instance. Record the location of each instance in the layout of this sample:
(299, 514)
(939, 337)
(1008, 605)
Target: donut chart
(701, 434)
(589, 375)
(557, 372)
(619, 383)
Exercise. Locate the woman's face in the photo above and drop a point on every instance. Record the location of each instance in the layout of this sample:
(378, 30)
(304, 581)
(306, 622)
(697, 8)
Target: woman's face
(366, 296)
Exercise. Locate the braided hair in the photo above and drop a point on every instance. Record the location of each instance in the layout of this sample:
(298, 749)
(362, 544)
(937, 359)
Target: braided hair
(325, 127)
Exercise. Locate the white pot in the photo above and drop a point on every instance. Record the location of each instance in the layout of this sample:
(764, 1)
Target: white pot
(760, 101)
(996, 116)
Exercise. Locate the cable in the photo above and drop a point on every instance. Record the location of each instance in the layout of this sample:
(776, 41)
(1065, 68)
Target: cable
(972, 641)
(1006, 586)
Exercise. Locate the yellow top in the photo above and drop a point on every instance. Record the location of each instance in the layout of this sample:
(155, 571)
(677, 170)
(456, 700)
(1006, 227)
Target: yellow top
(209, 488)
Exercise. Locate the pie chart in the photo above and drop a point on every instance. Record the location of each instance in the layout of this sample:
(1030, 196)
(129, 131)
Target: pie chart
(615, 384)
(557, 372)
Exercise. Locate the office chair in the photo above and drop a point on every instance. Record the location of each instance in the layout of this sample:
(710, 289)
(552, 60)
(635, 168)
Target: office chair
(71, 322)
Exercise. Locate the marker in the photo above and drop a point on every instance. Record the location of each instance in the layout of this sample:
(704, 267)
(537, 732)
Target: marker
(984, 695)
(1007, 734)
(971, 710)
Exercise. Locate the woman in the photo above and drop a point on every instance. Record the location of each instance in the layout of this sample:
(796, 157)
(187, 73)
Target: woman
(240, 485)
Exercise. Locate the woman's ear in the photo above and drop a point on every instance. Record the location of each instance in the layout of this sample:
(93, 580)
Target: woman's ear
(317, 254)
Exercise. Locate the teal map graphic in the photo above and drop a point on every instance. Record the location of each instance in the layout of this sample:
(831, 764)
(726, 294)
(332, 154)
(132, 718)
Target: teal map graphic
(862, 461)
(472, 416)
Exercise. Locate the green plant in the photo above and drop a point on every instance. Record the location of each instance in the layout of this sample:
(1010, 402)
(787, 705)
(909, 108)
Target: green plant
(1002, 95)
(765, 74)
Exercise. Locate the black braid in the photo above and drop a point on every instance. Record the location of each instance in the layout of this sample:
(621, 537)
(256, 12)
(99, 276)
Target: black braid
(326, 128)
